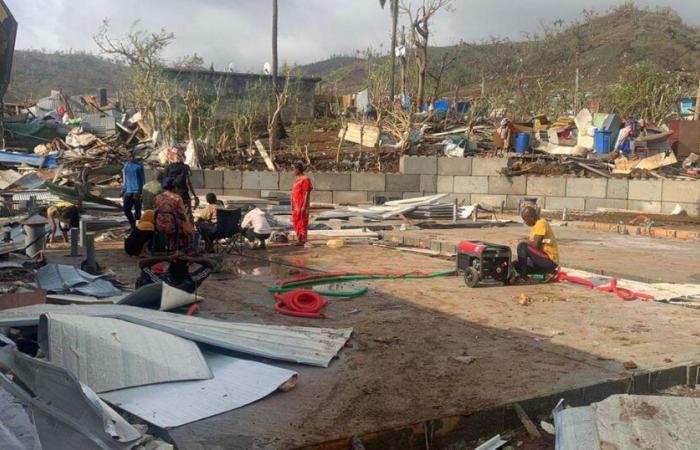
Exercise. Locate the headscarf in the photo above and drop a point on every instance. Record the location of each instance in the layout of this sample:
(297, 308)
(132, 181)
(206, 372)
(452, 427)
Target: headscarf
(168, 183)
(176, 154)
(146, 222)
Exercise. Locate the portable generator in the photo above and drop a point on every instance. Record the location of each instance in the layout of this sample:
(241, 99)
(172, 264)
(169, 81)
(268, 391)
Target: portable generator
(483, 261)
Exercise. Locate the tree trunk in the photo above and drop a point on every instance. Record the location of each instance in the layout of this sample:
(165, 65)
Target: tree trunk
(394, 26)
(403, 62)
(422, 66)
(274, 100)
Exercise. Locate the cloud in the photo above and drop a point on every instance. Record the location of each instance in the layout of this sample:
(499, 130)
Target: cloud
(238, 31)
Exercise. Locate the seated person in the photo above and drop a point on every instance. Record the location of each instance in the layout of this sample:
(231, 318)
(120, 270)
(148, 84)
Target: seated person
(68, 216)
(540, 254)
(177, 272)
(136, 244)
(206, 218)
(171, 216)
(255, 227)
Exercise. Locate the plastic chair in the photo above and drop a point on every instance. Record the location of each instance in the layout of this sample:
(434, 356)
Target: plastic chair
(228, 231)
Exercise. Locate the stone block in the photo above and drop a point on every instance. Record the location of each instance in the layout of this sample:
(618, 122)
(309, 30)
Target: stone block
(402, 183)
(367, 181)
(213, 179)
(618, 188)
(321, 196)
(681, 191)
(412, 194)
(251, 193)
(428, 184)
(471, 185)
(233, 179)
(445, 184)
(418, 165)
(508, 185)
(287, 180)
(693, 209)
(653, 207)
(587, 187)
(576, 203)
(593, 204)
(455, 166)
(647, 190)
(349, 197)
(197, 179)
(331, 181)
(261, 180)
(490, 167)
(546, 186)
(490, 200)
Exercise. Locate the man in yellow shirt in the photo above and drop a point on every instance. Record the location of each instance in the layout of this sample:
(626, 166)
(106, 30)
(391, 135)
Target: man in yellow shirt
(540, 254)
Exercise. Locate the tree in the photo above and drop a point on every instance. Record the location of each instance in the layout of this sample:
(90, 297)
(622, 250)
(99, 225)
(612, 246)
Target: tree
(420, 21)
(275, 107)
(394, 10)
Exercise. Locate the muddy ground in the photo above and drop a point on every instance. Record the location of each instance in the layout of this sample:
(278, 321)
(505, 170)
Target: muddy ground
(425, 349)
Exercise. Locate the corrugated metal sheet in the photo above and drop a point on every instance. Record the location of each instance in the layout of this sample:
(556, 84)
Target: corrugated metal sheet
(236, 383)
(60, 279)
(98, 123)
(313, 346)
(17, 432)
(109, 354)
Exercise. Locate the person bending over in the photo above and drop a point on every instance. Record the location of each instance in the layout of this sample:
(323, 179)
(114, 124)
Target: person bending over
(67, 215)
(256, 228)
(540, 254)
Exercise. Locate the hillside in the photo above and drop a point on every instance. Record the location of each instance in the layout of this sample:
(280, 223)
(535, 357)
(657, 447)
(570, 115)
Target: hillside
(606, 44)
(36, 73)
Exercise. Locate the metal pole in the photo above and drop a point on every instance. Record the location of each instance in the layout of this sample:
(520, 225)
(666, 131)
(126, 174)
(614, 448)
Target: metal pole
(74, 238)
(475, 213)
(565, 214)
(90, 262)
(454, 211)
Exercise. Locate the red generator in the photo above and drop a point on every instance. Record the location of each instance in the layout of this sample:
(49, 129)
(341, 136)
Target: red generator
(483, 261)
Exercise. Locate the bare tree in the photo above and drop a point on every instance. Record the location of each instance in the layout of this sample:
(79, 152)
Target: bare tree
(394, 9)
(420, 20)
(445, 63)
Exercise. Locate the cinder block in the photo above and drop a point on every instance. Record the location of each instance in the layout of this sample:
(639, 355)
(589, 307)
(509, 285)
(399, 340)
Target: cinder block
(367, 181)
(261, 180)
(349, 197)
(681, 191)
(576, 203)
(233, 179)
(647, 190)
(402, 183)
(251, 193)
(412, 194)
(693, 209)
(445, 183)
(197, 179)
(428, 184)
(213, 179)
(490, 167)
(471, 185)
(508, 185)
(546, 186)
(593, 204)
(455, 166)
(287, 180)
(418, 165)
(643, 205)
(331, 181)
(321, 196)
(493, 201)
(587, 187)
(618, 188)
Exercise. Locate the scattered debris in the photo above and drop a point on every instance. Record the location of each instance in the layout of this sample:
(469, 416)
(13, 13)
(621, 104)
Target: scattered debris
(524, 299)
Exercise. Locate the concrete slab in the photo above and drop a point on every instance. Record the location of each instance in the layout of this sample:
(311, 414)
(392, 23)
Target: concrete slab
(681, 191)
(471, 185)
(587, 187)
(428, 184)
(546, 186)
(418, 165)
(646, 190)
(233, 179)
(213, 179)
(331, 181)
(455, 166)
(507, 185)
(260, 180)
(488, 166)
(618, 188)
(363, 181)
(402, 183)
(445, 184)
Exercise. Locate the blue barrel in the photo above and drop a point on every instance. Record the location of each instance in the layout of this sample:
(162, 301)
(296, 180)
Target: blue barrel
(603, 141)
(522, 142)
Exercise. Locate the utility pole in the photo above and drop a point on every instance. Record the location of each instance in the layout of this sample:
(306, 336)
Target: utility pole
(274, 100)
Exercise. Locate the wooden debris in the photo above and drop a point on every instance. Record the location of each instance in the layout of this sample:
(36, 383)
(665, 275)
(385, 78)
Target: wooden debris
(265, 155)
(526, 421)
(359, 133)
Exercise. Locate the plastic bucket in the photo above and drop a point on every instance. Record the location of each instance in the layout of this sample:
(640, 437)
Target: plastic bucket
(603, 141)
(522, 142)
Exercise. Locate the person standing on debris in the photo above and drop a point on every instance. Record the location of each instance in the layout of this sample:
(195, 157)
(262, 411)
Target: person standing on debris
(540, 254)
(256, 228)
(182, 174)
(506, 132)
(171, 216)
(301, 201)
(132, 188)
(67, 215)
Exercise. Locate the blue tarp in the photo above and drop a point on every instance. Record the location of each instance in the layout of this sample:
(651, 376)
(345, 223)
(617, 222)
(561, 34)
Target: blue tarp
(29, 159)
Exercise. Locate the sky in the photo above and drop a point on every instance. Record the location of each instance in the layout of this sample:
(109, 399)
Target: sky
(238, 32)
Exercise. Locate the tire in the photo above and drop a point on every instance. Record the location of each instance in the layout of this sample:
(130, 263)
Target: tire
(471, 277)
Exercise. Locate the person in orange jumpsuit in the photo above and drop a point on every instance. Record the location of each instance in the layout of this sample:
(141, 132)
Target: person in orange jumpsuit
(301, 200)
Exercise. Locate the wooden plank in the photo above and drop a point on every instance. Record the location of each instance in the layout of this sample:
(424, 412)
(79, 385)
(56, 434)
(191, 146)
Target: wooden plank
(265, 155)
(357, 133)
(656, 161)
(527, 422)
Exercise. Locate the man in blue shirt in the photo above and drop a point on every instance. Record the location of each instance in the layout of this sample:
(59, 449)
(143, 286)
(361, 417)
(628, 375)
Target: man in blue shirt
(132, 187)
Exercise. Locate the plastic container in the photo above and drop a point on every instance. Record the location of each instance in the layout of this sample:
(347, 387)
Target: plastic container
(602, 141)
(442, 106)
(522, 143)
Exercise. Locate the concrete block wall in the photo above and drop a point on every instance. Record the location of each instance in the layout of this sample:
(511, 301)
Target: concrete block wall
(469, 180)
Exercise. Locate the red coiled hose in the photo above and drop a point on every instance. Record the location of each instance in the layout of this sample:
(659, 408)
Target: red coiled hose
(622, 293)
(301, 303)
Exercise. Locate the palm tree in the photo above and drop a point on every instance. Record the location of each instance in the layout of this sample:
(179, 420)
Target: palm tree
(394, 9)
